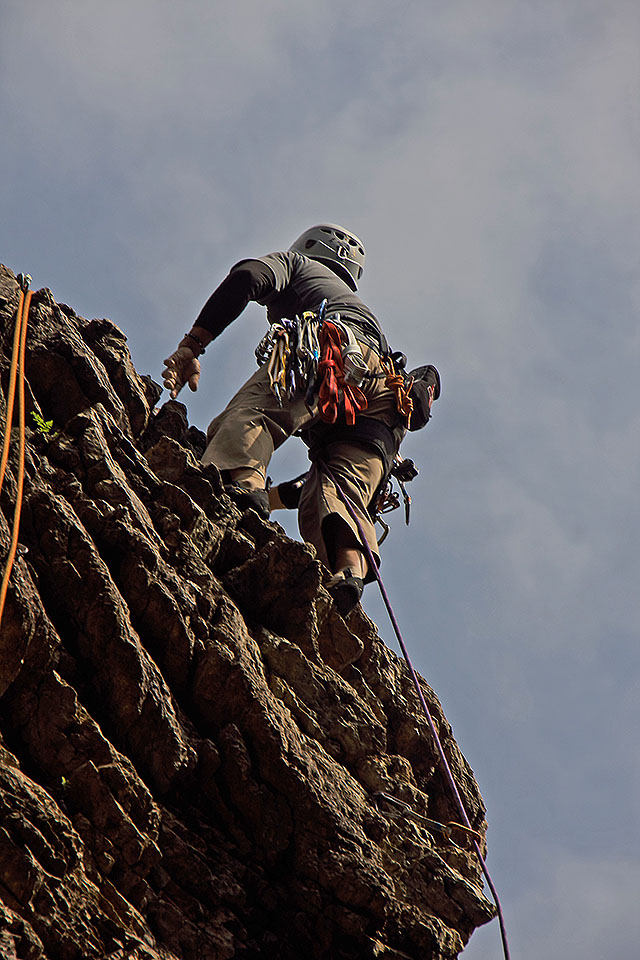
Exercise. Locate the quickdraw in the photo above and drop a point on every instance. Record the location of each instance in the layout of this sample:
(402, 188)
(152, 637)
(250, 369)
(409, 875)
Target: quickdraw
(277, 367)
(401, 809)
(291, 350)
(387, 500)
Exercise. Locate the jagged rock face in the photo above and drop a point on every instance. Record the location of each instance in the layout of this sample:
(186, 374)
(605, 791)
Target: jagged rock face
(191, 737)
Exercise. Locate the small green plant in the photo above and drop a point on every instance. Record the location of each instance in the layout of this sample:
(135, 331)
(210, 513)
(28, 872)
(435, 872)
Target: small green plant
(43, 426)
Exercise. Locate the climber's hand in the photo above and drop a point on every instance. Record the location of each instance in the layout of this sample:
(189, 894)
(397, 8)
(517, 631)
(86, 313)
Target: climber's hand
(181, 367)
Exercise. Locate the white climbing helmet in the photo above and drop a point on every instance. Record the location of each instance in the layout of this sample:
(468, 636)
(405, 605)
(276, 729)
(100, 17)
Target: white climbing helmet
(335, 246)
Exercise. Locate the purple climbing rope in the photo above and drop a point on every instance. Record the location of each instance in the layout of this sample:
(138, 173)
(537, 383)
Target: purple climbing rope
(414, 676)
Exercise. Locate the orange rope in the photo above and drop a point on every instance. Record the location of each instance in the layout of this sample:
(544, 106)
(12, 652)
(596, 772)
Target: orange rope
(332, 380)
(395, 381)
(12, 389)
(17, 373)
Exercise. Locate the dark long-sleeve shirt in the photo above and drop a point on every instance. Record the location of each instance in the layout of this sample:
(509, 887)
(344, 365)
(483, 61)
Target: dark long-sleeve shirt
(288, 284)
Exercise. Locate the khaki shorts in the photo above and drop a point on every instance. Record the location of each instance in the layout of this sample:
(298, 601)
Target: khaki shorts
(359, 471)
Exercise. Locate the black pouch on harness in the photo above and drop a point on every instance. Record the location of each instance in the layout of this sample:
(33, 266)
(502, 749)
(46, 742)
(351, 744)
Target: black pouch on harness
(425, 389)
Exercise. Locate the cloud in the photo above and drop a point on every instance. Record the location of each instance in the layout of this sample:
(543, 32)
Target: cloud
(488, 156)
(583, 907)
(588, 908)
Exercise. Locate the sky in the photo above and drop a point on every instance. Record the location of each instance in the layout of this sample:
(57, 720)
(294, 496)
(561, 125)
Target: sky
(487, 152)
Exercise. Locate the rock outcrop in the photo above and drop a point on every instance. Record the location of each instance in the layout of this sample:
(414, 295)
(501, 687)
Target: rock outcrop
(192, 740)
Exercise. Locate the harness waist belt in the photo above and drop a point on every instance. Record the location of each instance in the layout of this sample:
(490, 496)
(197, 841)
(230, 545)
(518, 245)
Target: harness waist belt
(366, 430)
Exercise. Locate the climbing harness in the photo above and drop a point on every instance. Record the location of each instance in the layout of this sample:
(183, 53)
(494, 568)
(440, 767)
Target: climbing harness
(434, 732)
(319, 356)
(16, 375)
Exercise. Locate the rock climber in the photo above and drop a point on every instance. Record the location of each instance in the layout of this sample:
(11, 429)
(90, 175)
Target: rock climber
(327, 374)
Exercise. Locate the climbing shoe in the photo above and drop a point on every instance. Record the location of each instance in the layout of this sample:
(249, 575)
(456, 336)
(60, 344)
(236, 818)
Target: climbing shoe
(257, 500)
(289, 491)
(346, 591)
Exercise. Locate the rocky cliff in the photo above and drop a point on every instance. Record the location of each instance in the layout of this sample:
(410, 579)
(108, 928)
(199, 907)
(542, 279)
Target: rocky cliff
(192, 740)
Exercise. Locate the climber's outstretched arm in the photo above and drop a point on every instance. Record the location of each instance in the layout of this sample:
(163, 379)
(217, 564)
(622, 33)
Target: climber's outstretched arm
(248, 280)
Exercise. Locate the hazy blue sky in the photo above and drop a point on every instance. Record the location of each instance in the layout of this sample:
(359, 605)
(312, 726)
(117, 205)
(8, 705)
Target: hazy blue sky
(488, 154)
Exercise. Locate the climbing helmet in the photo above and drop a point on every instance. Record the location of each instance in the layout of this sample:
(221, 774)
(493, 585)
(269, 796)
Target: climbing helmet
(338, 248)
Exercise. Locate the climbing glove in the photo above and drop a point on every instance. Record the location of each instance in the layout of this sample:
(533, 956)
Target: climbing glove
(181, 367)
(246, 499)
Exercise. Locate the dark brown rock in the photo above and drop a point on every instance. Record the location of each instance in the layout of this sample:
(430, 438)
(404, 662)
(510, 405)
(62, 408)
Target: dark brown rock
(192, 738)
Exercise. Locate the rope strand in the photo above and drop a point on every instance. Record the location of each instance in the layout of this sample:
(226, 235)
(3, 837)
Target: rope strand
(445, 763)
(395, 381)
(16, 374)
